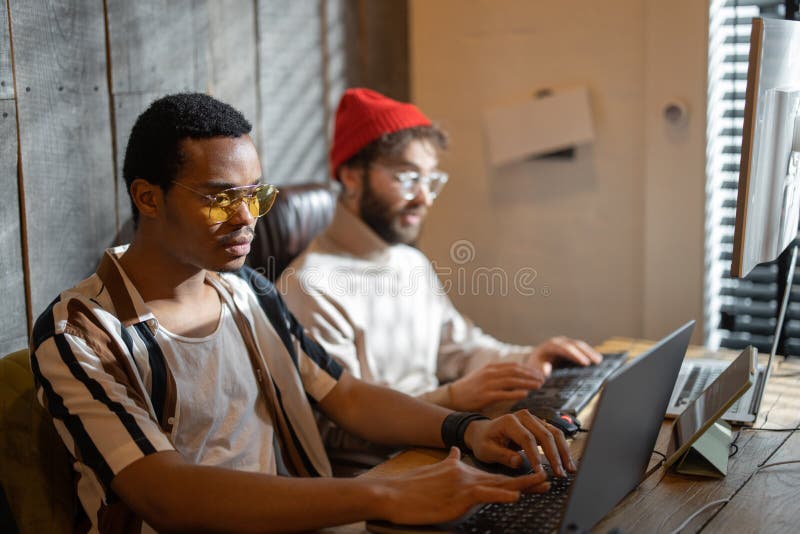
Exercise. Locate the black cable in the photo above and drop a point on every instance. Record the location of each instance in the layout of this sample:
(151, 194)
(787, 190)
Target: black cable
(657, 466)
(733, 445)
(764, 463)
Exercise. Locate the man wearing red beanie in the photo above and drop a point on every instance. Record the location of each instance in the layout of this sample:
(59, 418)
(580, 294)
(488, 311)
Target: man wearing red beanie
(374, 302)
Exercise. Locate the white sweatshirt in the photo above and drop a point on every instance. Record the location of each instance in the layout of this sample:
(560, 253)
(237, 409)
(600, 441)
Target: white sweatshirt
(381, 311)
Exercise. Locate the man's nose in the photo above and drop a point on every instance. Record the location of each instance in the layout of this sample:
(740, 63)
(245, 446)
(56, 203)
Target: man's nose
(423, 195)
(241, 215)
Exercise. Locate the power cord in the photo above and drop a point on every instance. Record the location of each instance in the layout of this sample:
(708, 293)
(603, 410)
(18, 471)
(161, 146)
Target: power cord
(764, 464)
(657, 466)
(760, 466)
(773, 464)
(698, 512)
(723, 501)
(735, 447)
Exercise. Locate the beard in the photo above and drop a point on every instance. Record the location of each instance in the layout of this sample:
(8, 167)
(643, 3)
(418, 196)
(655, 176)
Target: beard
(386, 221)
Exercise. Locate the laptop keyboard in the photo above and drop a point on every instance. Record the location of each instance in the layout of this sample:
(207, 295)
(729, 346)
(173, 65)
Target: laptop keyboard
(569, 389)
(534, 512)
(700, 376)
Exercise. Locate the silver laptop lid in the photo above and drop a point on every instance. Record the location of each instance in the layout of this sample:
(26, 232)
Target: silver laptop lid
(624, 431)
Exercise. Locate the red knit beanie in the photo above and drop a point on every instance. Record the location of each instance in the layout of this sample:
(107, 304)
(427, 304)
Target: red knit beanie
(363, 116)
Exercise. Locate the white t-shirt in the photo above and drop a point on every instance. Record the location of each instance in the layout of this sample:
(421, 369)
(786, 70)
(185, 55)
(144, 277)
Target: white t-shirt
(109, 384)
(221, 418)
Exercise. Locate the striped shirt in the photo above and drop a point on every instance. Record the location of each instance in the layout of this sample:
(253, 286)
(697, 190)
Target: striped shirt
(103, 376)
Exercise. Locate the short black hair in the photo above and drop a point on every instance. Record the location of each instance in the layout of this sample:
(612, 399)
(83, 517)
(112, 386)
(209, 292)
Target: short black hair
(392, 145)
(154, 152)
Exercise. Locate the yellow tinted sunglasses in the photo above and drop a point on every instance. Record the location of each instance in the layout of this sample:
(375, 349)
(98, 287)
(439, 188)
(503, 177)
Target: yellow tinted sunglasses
(258, 198)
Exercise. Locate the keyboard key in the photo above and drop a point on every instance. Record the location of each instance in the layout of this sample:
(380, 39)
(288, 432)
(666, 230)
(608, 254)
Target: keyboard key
(569, 389)
(534, 512)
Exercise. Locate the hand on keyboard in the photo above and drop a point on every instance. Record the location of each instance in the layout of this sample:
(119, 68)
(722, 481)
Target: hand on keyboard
(564, 349)
(490, 439)
(495, 382)
(446, 490)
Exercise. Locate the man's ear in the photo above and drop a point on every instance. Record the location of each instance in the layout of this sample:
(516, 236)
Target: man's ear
(149, 198)
(352, 179)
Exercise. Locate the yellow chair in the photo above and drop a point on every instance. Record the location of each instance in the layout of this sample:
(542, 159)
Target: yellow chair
(35, 467)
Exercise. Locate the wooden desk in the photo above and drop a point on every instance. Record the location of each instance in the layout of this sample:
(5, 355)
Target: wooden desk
(760, 501)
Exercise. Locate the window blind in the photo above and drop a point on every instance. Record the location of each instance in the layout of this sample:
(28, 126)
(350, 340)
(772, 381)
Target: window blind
(739, 312)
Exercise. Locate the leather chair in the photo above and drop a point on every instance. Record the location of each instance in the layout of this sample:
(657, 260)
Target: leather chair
(300, 213)
(35, 466)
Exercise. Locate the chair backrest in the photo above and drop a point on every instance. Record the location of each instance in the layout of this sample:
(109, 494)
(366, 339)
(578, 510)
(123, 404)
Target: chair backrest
(35, 466)
(300, 213)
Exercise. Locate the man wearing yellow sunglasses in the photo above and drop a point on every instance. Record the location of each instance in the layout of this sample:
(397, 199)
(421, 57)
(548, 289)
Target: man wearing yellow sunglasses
(183, 387)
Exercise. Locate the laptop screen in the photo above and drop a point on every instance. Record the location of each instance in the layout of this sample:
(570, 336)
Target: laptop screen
(629, 415)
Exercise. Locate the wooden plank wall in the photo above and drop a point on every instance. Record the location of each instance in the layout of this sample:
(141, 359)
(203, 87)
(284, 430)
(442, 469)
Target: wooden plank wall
(6, 78)
(13, 328)
(383, 47)
(342, 38)
(233, 64)
(156, 47)
(293, 139)
(65, 140)
(85, 69)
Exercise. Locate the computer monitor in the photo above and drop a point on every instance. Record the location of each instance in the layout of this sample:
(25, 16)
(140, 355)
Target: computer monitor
(768, 205)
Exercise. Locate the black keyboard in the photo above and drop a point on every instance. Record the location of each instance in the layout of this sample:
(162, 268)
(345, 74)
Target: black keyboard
(533, 512)
(569, 389)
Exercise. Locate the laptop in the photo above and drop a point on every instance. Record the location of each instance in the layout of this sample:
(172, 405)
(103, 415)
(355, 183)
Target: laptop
(569, 388)
(618, 450)
(696, 375)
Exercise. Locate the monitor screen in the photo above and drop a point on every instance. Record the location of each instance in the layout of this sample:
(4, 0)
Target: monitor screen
(768, 204)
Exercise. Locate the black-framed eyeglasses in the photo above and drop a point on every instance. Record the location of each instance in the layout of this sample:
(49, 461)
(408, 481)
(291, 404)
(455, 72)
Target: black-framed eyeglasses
(258, 198)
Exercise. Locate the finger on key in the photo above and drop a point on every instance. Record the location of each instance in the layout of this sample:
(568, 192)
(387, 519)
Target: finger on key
(545, 438)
